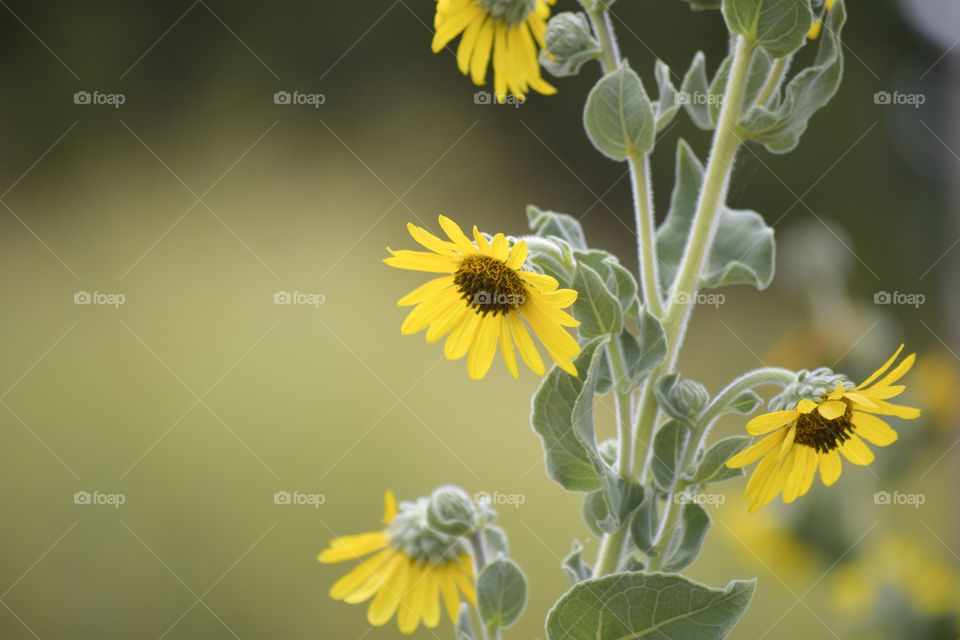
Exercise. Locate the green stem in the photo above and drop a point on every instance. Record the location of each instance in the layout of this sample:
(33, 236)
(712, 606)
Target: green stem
(777, 72)
(609, 51)
(479, 562)
(646, 247)
(716, 408)
(726, 142)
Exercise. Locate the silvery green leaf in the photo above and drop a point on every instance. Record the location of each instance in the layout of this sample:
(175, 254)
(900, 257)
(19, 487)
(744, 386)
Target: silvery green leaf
(618, 116)
(633, 563)
(779, 26)
(569, 43)
(596, 308)
(713, 466)
(718, 88)
(667, 105)
(644, 352)
(634, 606)
(761, 65)
(555, 404)
(745, 402)
(743, 248)
(596, 515)
(780, 126)
(618, 280)
(464, 629)
(495, 540)
(501, 593)
(669, 443)
(644, 522)
(553, 256)
(693, 91)
(550, 223)
(574, 566)
(684, 546)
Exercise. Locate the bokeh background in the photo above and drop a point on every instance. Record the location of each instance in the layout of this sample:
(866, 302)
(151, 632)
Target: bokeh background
(198, 398)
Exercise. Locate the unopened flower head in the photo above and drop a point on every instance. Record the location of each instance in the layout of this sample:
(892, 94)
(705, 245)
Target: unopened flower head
(508, 31)
(483, 299)
(413, 568)
(823, 426)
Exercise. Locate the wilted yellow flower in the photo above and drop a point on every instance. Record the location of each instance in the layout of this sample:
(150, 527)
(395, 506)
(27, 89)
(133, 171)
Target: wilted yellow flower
(815, 434)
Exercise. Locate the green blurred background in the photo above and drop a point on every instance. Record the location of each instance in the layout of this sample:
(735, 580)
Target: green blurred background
(198, 398)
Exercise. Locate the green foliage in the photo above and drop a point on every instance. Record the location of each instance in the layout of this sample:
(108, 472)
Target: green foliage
(680, 399)
(637, 605)
(743, 249)
(561, 225)
(618, 116)
(464, 629)
(779, 26)
(713, 467)
(501, 593)
(597, 309)
(667, 104)
(745, 402)
(668, 446)
(644, 352)
(643, 524)
(780, 124)
(695, 89)
(569, 44)
(495, 540)
(574, 566)
(688, 537)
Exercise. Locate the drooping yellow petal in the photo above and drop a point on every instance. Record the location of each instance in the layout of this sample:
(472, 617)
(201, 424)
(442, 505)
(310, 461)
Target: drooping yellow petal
(788, 438)
(480, 60)
(856, 451)
(460, 338)
(456, 235)
(541, 281)
(528, 351)
(830, 467)
(411, 605)
(452, 25)
(467, 43)
(425, 291)
(484, 347)
(506, 347)
(360, 574)
(756, 451)
(769, 421)
(394, 586)
(873, 429)
(429, 311)
(353, 547)
(448, 588)
(431, 597)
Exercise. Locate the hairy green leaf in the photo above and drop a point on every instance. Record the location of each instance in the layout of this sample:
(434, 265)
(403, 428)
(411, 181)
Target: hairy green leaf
(631, 606)
(618, 116)
(669, 444)
(713, 467)
(779, 26)
(501, 593)
(684, 546)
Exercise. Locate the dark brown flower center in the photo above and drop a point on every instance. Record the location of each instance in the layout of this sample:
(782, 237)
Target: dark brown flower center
(813, 430)
(489, 286)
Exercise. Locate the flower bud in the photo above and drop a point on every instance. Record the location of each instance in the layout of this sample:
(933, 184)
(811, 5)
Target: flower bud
(681, 399)
(451, 511)
(569, 43)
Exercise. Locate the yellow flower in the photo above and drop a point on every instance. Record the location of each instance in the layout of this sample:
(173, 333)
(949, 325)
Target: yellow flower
(482, 298)
(510, 30)
(816, 433)
(411, 569)
(817, 26)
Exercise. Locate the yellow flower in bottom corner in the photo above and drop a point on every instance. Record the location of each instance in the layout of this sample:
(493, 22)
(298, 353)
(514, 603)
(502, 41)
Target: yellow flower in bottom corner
(411, 569)
(815, 434)
(481, 299)
(508, 31)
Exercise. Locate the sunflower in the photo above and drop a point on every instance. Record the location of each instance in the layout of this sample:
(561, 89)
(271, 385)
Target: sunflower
(481, 298)
(411, 569)
(815, 434)
(510, 30)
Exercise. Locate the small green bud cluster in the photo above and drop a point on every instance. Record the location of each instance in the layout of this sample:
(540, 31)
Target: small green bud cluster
(810, 385)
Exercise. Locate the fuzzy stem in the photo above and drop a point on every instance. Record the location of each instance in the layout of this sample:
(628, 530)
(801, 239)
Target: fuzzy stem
(646, 246)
